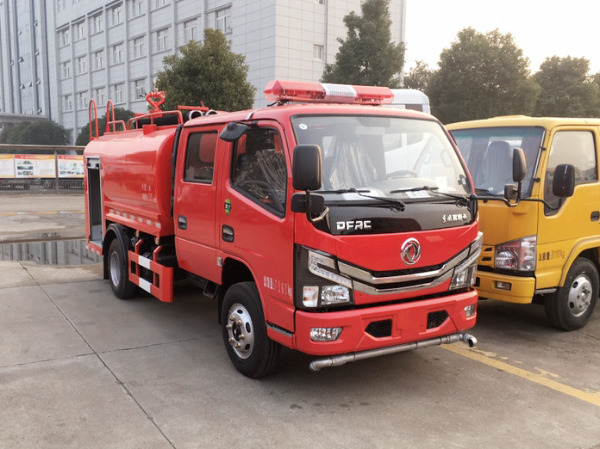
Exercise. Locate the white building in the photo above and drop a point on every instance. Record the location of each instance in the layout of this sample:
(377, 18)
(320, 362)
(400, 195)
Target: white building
(57, 54)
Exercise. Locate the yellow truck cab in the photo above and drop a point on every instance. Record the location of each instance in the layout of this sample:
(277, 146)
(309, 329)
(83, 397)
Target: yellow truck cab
(539, 204)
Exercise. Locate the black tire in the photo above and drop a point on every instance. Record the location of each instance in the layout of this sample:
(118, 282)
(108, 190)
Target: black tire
(118, 273)
(244, 330)
(572, 305)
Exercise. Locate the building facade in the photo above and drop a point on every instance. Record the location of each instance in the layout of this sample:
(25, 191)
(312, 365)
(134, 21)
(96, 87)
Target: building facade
(58, 54)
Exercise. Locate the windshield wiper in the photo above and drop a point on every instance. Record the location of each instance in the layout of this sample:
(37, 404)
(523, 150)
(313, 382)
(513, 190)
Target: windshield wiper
(362, 193)
(434, 190)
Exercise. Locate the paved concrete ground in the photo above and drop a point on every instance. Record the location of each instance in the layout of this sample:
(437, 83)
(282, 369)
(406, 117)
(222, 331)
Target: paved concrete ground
(82, 369)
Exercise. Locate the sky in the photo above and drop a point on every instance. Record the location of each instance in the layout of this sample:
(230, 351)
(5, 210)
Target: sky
(540, 28)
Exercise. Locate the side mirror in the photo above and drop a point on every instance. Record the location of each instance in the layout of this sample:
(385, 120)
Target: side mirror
(233, 131)
(563, 183)
(519, 165)
(306, 171)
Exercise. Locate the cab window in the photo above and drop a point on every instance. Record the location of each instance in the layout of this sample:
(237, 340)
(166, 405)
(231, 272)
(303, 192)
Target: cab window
(200, 157)
(571, 147)
(258, 169)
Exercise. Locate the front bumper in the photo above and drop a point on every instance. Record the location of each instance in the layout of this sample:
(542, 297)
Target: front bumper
(516, 289)
(407, 322)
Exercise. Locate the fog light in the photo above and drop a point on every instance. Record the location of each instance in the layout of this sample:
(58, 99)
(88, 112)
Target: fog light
(470, 310)
(310, 296)
(500, 285)
(325, 333)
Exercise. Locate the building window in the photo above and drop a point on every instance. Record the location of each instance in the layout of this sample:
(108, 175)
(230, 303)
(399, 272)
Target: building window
(137, 8)
(66, 69)
(138, 47)
(118, 91)
(117, 53)
(82, 100)
(318, 52)
(100, 94)
(63, 37)
(139, 87)
(161, 39)
(98, 23)
(81, 65)
(68, 102)
(116, 15)
(78, 31)
(99, 60)
(60, 5)
(161, 3)
(190, 30)
(223, 20)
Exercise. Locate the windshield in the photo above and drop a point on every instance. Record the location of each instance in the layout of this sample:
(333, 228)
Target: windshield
(488, 153)
(384, 156)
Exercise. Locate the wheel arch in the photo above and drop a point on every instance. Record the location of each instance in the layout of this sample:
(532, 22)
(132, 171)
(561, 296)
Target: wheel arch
(233, 272)
(589, 249)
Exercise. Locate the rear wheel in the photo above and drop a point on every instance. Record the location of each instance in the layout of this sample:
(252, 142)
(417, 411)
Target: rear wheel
(572, 305)
(118, 273)
(244, 330)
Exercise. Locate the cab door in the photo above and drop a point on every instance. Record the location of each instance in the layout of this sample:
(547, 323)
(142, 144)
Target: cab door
(256, 225)
(573, 219)
(194, 208)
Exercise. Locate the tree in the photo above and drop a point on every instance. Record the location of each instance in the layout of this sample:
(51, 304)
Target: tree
(418, 77)
(480, 76)
(207, 72)
(567, 89)
(120, 114)
(39, 132)
(367, 56)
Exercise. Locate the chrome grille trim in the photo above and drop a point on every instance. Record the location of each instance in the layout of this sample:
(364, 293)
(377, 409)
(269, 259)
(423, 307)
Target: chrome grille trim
(364, 281)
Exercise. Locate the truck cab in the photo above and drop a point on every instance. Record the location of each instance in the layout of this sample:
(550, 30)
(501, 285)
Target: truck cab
(544, 247)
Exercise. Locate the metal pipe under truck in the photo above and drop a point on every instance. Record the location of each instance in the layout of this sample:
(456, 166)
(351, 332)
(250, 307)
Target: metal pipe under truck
(324, 222)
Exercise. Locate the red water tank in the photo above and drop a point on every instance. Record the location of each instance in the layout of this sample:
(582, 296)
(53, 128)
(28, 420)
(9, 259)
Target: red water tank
(135, 170)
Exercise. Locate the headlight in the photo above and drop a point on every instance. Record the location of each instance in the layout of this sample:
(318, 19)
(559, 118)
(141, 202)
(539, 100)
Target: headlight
(517, 255)
(464, 274)
(319, 282)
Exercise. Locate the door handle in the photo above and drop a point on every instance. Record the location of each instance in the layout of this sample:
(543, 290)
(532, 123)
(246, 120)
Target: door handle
(181, 222)
(595, 215)
(227, 233)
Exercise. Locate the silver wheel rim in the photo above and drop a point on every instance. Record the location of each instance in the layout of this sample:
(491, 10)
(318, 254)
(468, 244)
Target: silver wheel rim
(580, 295)
(240, 331)
(115, 269)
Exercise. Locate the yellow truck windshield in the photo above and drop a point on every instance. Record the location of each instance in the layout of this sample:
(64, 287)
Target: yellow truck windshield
(488, 154)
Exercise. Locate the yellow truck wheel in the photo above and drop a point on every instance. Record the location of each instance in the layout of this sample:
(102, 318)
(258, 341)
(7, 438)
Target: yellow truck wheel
(572, 305)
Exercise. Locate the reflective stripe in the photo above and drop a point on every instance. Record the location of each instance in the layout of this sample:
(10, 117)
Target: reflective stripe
(145, 285)
(144, 262)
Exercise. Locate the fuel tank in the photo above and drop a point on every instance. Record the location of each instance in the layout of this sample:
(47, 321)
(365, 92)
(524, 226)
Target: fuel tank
(135, 174)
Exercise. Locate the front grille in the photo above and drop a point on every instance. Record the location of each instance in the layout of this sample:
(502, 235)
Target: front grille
(436, 319)
(380, 329)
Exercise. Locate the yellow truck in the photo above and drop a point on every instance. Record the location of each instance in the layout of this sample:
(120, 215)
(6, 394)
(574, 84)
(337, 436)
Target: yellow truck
(539, 204)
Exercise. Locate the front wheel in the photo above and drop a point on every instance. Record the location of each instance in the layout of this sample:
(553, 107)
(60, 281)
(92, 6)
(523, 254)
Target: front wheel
(572, 305)
(249, 348)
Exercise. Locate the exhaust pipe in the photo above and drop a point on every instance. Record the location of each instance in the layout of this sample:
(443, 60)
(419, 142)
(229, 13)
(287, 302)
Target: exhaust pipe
(342, 359)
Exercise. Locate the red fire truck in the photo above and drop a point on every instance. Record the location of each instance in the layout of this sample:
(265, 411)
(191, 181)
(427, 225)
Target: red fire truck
(323, 222)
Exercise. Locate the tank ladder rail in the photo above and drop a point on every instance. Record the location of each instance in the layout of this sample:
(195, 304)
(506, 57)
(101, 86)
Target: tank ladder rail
(162, 276)
(110, 119)
(93, 108)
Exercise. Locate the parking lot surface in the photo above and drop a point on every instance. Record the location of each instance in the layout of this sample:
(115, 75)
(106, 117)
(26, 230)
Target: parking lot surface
(81, 368)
